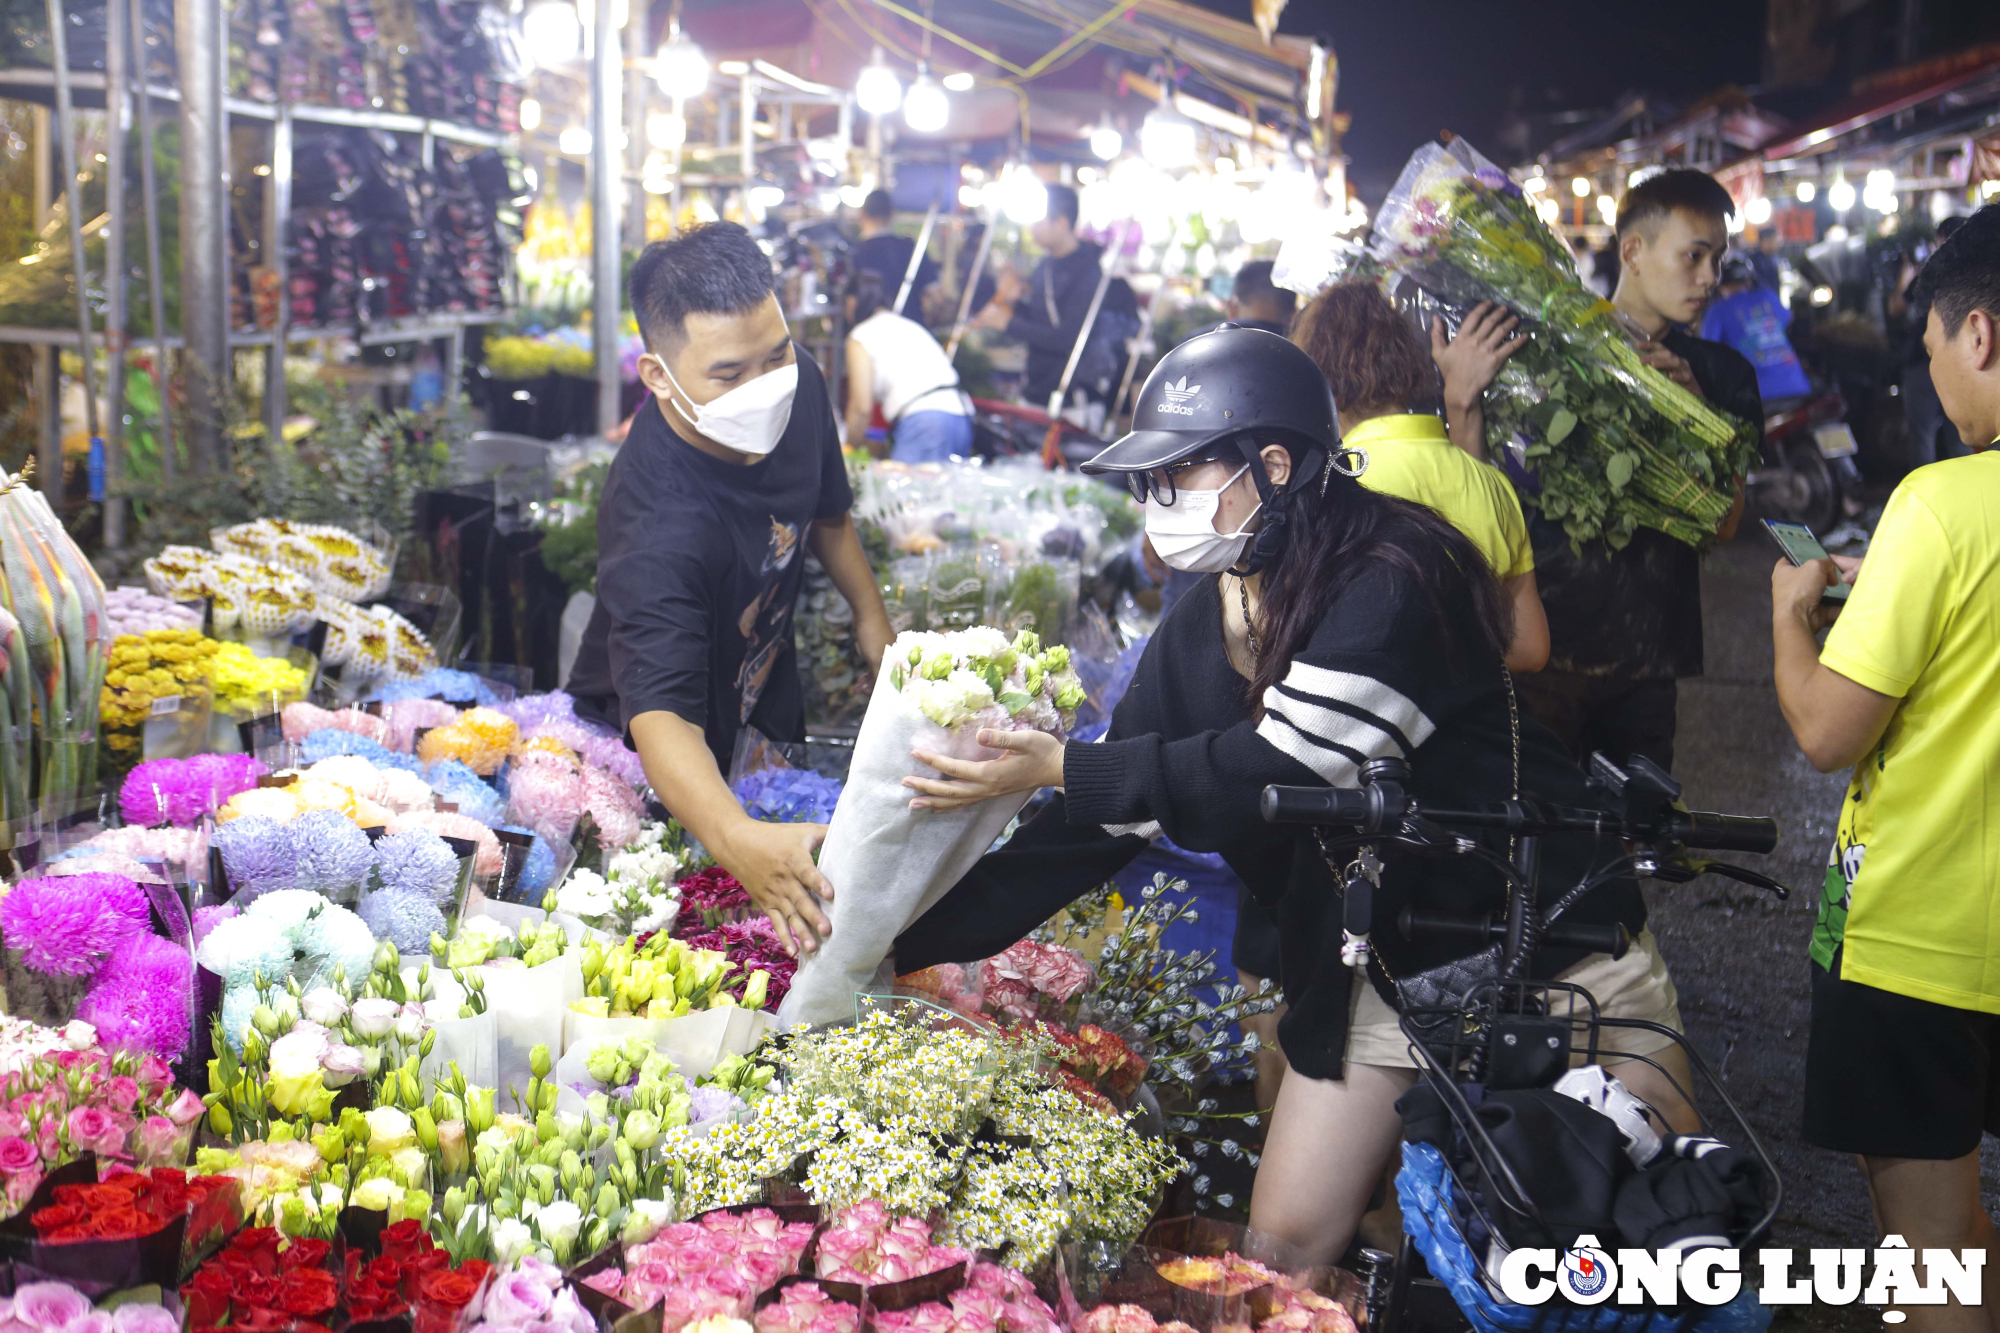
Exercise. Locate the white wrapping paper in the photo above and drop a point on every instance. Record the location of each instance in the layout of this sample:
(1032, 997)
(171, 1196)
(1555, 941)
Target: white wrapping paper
(888, 864)
(528, 1006)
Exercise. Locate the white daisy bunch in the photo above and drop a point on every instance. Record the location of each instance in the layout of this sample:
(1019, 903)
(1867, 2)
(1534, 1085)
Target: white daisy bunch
(1018, 1197)
(975, 676)
(892, 1065)
(1114, 1175)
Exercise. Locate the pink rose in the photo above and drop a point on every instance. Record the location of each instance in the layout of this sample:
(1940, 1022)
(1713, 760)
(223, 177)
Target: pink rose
(606, 1280)
(155, 1073)
(762, 1268)
(122, 1093)
(137, 1318)
(726, 1282)
(94, 1129)
(894, 1268)
(161, 1141)
(186, 1108)
(17, 1154)
(96, 1321)
(49, 1306)
(22, 1187)
(48, 1137)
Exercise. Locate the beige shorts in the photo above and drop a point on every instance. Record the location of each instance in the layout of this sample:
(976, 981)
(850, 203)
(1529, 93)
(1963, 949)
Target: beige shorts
(1635, 986)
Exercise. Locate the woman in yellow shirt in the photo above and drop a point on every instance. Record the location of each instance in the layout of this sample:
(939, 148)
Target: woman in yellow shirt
(1380, 371)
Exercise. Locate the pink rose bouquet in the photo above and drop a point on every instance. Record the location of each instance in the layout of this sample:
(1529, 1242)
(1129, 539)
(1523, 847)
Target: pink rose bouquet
(716, 1265)
(300, 720)
(63, 1100)
(993, 1300)
(804, 1307)
(865, 1246)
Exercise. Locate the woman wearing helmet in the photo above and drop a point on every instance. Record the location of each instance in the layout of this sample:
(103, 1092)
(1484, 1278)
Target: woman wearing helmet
(1342, 626)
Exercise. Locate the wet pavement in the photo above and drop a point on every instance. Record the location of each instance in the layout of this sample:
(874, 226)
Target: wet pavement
(1738, 956)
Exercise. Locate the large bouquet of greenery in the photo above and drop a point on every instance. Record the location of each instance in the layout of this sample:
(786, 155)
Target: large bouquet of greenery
(1617, 445)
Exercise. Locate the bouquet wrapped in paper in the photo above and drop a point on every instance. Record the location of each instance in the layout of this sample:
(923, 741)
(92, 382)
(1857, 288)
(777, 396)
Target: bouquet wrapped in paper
(888, 864)
(1616, 444)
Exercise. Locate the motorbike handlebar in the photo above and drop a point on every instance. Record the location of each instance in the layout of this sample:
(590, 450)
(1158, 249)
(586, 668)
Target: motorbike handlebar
(1371, 809)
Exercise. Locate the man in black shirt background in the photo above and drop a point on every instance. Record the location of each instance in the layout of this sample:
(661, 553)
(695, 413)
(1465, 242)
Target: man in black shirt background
(1257, 303)
(1625, 625)
(882, 252)
(1048, 312)
(732, 465)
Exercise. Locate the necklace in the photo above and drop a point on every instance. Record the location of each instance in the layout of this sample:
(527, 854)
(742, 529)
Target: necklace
(1249, 629)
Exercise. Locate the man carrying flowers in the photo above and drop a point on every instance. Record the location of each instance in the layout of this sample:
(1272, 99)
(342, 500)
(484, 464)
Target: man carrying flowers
(731, 468)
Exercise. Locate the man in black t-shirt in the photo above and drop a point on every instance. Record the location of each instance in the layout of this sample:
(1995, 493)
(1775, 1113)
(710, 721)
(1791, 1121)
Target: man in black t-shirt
(731, 467)
(1625, 625)
(885, 254)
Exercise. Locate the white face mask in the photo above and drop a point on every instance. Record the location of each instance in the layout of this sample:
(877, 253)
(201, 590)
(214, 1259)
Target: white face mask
(1183, 533)
(749, 418)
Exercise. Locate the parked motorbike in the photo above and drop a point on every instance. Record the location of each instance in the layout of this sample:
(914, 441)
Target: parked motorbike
(1807, 474)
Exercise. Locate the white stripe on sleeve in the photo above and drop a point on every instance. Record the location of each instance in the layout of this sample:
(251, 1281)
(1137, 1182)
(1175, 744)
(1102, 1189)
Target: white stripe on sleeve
(1364, 692)
(1337, 769)
(1149, 830)
(1336, 728)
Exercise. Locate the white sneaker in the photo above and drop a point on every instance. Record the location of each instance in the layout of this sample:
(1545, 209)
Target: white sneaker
(1601, 1092)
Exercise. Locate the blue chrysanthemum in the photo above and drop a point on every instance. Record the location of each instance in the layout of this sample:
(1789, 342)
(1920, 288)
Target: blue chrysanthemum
(406, 919)
(330, 741)
(335, 939)
(416, 861)
(329, 853)
(242, 948)
(540, 871)
(238, 1003)
(458, 687)
(256, 851)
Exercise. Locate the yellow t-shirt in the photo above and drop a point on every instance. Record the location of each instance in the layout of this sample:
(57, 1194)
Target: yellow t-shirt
(1910, 882)
(1410, 456)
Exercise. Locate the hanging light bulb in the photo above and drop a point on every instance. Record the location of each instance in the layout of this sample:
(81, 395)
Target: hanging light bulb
(1840, 194)
(680, 68)
(1105, 140)
(531, 114)
(878, 90)
(1758, 210)
(574, 142)
(1806, 191)
(1580, 187)
(1023, 196)
(959, 82)
(1166, 137)
(551, 32)
(666, 129)
(925, 107)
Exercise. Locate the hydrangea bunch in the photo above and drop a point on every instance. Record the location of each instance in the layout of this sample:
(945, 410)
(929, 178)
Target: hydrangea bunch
(976, 677)
(788, 796)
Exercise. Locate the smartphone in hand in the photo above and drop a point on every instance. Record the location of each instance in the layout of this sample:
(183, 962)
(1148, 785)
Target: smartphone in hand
(1796, 540)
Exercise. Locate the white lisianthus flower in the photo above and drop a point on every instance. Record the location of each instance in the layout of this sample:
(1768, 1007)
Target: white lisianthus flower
(585, 893)
(951, 702)
(559, 1222)
(511, 1239)
(323, 1005)
(983, 642)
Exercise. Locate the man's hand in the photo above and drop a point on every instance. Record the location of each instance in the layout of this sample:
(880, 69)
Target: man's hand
(874, 635)
(1034, 759)
(774, 863)
(1673, 367)
(995, 315)
(1489, 335)
(1797, 591)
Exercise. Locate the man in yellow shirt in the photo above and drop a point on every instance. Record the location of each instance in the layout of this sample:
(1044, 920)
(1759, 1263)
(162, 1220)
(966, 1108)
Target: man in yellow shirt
(1901, 1065)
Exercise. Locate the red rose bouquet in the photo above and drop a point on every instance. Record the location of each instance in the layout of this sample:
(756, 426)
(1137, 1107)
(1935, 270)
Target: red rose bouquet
(131, 1206)
(257, 1286)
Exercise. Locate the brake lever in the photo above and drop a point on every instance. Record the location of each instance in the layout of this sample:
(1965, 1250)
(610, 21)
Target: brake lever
(1680, 868)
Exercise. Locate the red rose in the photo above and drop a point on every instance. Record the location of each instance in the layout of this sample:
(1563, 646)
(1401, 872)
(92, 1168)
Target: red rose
(404, 1238)
(254, 1292)
(308, 1326)
(419, 1266)
(257, 1248)
(122, 1224)
(306, 1292)
(305, 1253)
(367, 1300)
(260, 1320)
(477, 1269)
(206, 1299)
(452, 1290)
(57, 1216)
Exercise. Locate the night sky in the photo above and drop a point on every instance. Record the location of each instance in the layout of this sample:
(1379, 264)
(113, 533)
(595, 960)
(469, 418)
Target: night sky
(1411, 68)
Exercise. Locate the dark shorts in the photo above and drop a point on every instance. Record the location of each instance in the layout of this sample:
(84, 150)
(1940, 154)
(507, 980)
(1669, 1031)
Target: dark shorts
(1615, 714)
(1892, 1076)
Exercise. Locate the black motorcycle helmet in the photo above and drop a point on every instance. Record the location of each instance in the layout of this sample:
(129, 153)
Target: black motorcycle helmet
(1225, 394)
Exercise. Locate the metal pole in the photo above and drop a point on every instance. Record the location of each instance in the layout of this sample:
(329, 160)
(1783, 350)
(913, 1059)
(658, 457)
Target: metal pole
(117, 101)
(637, 30)
(971, 285)
(1052, 442)
(150, 193)
(747, 137)
(278, 210)
(604, 122)
(199, 46)
(66, 137)
(917, 256)
(1145, 323)
(48, 361)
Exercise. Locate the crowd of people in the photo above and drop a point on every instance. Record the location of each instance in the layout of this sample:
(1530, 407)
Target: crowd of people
(1350, 576)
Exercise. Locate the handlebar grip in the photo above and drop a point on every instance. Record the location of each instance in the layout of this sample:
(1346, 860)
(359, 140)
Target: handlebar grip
(1725, 833)
(1611, 938)
(1314, 805)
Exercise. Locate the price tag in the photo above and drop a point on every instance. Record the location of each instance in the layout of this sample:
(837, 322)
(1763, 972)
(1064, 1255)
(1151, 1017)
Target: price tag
(165, 704)
(277, 779)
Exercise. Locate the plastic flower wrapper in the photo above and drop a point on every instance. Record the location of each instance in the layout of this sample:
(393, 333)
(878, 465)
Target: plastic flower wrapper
(486, 860)
(301, 720)
(407, 716)
(893, 863)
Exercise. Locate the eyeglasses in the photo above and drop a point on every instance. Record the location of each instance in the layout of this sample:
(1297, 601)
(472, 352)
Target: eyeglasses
(1158, 484)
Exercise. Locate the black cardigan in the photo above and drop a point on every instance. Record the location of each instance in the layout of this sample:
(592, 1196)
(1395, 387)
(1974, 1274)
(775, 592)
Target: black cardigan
(1185, 755)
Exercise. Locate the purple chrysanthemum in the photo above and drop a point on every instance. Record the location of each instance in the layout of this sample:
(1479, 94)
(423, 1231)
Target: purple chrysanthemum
(256, 851)
(611, 754)
(208, 918)
(151, 794)
(141, 999)
(416, 861)
(404, 918)
(63, 926)
(534, 709)
(217, 777)
(329, 852)
(706, 1103)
